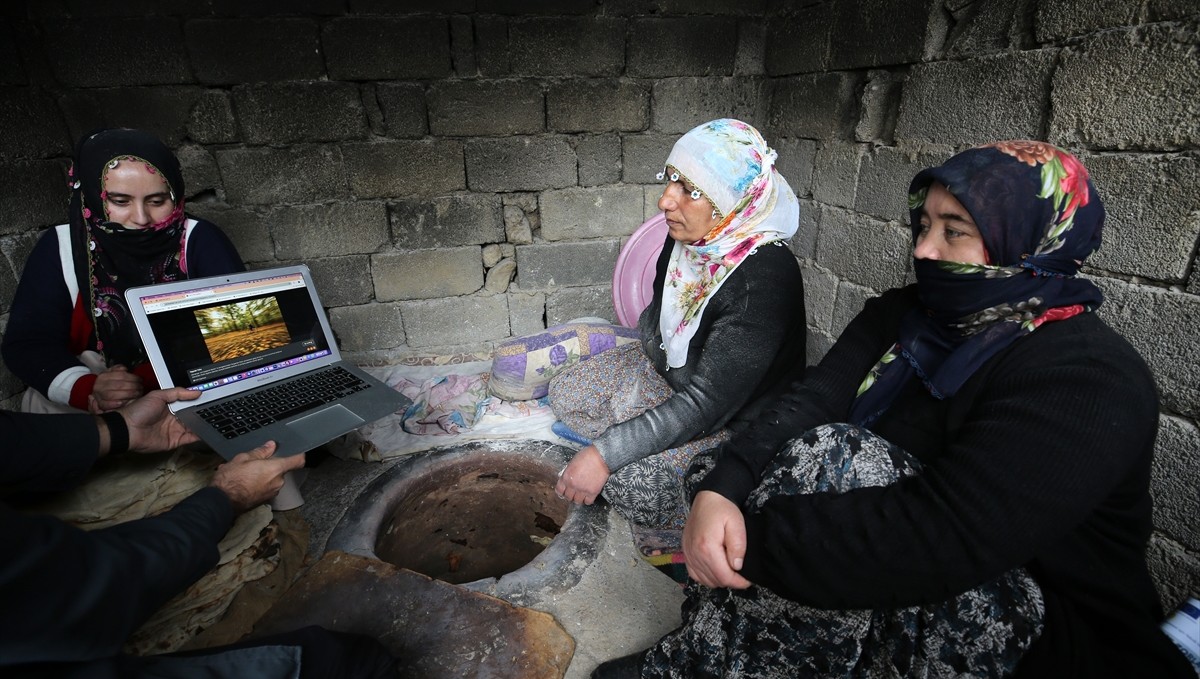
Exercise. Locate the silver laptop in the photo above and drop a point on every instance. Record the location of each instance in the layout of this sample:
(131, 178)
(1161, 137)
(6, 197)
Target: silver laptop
(258, 347)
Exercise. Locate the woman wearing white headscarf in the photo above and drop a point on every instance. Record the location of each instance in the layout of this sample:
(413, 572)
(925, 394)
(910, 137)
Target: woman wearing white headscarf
(726, 324)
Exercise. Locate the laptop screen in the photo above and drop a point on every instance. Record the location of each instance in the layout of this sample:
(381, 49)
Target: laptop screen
(227, 332)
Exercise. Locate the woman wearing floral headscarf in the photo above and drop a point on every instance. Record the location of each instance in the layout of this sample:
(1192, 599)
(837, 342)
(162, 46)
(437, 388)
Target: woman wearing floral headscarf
(725, 324)
(69, 336)
(982, 507)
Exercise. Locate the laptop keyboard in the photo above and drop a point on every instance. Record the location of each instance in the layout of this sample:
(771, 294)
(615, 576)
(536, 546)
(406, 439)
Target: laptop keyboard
(253, 411)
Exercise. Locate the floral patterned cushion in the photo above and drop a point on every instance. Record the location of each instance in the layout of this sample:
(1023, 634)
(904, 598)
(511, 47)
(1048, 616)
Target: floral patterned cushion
(523, 366)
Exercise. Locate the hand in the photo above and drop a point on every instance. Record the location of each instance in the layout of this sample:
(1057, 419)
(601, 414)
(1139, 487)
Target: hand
(254, 477)
(114, 388)
(152, 427)
(714, 541)
(583, 479)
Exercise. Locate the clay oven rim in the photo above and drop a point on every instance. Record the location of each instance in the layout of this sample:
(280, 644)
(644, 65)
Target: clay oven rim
(556, 568)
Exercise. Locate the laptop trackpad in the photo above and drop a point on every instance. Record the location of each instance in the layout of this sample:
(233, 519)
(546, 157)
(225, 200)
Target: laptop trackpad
(334, 418)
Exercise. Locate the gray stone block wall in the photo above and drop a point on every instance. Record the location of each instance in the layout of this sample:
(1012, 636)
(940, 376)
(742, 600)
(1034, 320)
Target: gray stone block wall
(462, 171)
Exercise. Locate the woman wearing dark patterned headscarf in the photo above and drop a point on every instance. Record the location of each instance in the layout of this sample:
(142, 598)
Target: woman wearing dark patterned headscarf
(69, 336)
(960, 487)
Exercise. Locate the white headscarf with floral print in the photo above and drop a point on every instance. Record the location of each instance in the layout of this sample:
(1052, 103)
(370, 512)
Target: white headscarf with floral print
(730, 164)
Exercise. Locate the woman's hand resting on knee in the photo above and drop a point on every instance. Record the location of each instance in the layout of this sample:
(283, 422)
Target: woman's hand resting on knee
(584, 477)
(714, 541)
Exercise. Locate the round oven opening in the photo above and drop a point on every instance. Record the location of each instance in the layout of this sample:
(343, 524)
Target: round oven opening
(473, 518)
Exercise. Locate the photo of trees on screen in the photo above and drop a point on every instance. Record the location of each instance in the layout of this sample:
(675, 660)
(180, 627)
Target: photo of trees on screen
(242, 328)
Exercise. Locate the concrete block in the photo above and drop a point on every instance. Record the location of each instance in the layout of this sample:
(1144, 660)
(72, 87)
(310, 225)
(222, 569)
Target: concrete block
(571, 303)
(519, 7)
(820, 293)
(751, 49)
(879, 108)
(486, 107)
(404, 168)
(683, 103)
(297, 174)
(797, 158)
(162, 111)
(599, 159)
(8, 286)
(462, 47)
(650, 201)
(274, 113)
(527, 312)
(1176, 572)
(200, 173)
(986, 27)
(412, 6)
(870, 33)
(1175, 477)
(1152, 213)
(548, 265)
(1164, 327)
(804, 243)
(597, 106)
(328, 230)
(799, 43)
(520, 164)
(567, 46)
(994, 97)
(1129, 89)
(248, 50)
(820, 106)
(264, 7)
(682, 46)
(342, 281)
(96, 53)
(403, 107)
(455, 321)
(35, 195)
(849, 302)
(247, 229)
(1067, 18)
(34, 124)
(427, 274)
(367, 327)
(577, 213)
(835, 172)
(211, 119)
(816, 346)
(884, 176)
(508, 250)
(17, 248)
(447, 221)
(387, 48)
(498, 277)
(491, 45)
(1166, 10)
(862, 250)
(643, 156)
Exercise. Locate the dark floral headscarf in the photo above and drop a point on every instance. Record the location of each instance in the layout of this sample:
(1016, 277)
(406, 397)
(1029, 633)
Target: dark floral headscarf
(110, 258)
(1040, 218)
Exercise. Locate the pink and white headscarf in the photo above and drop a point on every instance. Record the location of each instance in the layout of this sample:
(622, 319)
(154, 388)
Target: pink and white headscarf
(729, 163)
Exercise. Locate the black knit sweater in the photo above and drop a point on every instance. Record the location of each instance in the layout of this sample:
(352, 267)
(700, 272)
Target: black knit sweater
(751, 334)
(1042, 459)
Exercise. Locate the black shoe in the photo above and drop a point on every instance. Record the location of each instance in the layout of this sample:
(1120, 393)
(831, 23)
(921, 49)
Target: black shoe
(625, 667)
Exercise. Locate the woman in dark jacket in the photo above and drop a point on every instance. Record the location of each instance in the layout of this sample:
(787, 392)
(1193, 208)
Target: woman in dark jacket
(726, 322)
